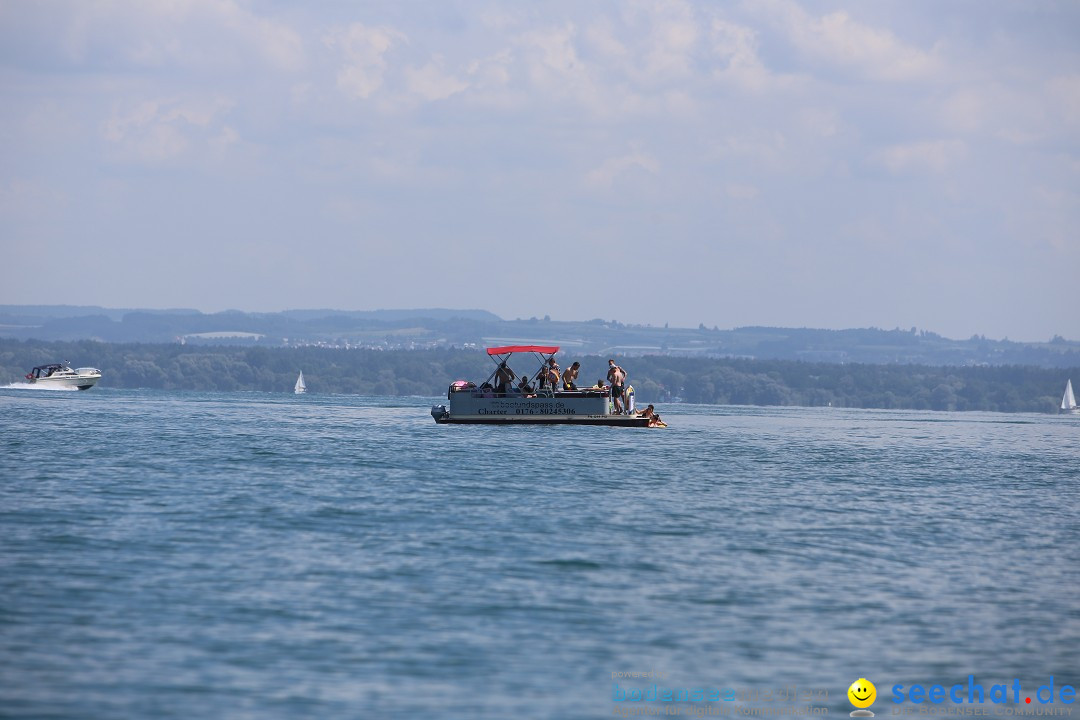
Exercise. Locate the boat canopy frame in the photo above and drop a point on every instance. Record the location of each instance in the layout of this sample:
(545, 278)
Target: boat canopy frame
(51, 366)
(500, 355)
(45, 371)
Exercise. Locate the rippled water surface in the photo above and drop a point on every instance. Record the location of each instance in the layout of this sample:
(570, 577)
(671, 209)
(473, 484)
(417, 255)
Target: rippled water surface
(266, 556)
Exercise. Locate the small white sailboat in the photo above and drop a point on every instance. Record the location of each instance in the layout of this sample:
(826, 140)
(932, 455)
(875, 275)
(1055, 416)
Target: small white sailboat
(301, 386)
(1068, 400)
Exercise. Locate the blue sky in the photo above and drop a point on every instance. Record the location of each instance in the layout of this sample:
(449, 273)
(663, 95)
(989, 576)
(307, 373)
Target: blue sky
(821, 164)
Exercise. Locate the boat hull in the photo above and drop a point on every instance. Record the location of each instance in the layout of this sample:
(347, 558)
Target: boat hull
(609, 420)
(478, 407)
(80, 382)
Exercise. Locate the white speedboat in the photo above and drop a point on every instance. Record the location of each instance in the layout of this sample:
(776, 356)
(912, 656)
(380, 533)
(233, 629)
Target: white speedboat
(497, 401)
(61, 375)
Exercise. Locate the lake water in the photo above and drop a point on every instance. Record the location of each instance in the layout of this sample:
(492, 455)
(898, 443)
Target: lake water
(243, 555)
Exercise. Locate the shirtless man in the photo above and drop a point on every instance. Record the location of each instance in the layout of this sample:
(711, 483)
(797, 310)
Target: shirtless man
(616, 375)
(569, 376)
(503, 377)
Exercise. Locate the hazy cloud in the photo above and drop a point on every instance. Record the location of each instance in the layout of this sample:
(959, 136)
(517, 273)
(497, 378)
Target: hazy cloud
(605, 174)
(858, 48)
(433, 82)
(363, 50)
(164, 129)
(933, 155)
(756, 163)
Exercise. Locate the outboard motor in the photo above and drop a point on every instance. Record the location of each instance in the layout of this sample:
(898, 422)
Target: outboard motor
(440, 413)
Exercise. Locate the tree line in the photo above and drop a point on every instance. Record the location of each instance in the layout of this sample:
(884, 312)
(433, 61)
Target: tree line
(1012, 388)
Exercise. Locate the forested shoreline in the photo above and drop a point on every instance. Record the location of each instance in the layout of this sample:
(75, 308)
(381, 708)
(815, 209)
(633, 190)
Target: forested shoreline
(660, 379)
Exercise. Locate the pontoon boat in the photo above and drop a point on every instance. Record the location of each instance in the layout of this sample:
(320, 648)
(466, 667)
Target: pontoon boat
(497, 401)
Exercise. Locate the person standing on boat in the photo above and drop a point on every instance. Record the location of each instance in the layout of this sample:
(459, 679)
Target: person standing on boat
(569, 376)
(504, 376)
(549, 375)
(616, 376)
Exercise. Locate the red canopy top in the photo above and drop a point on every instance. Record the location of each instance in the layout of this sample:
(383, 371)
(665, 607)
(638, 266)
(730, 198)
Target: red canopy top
(545, 349)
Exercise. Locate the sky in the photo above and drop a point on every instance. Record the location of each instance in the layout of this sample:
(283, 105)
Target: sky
(798, 164)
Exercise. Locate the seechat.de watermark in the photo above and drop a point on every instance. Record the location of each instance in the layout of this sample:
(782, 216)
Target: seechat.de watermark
(1002, 697)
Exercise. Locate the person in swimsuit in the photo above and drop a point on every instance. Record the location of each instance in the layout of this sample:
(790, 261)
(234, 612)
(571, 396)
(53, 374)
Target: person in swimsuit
(549, 376)
(569, 376)
(616, 376)
(503, 377)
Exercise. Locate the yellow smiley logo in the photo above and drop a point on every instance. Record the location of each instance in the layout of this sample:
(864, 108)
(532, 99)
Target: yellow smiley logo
(862, 693)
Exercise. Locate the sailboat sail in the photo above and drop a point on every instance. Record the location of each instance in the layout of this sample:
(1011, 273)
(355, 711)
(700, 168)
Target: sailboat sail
(1068, 400)
(301, 387)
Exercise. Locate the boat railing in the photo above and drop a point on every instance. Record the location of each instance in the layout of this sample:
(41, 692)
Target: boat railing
(543, 393)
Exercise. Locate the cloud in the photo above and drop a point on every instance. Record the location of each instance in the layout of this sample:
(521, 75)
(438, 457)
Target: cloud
(934, 156)
(1039, 111)
(758, 145)
(493, 70)
(364, 51)
(550, 56)
(671, 42)
(603, 176)
(843, 42)
(432, 82)
(602, 39)
(735, 46)
(218, 35)
(646, 44)
(163, 129)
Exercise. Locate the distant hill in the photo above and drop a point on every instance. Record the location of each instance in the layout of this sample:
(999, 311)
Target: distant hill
(430, 328)
(35, 313)
(394, 315)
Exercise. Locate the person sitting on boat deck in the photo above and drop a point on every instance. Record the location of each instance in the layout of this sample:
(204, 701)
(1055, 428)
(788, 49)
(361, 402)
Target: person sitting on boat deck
(525, 388)
(503, 377)
(616, 375)
(647, 412)
(569, 376)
